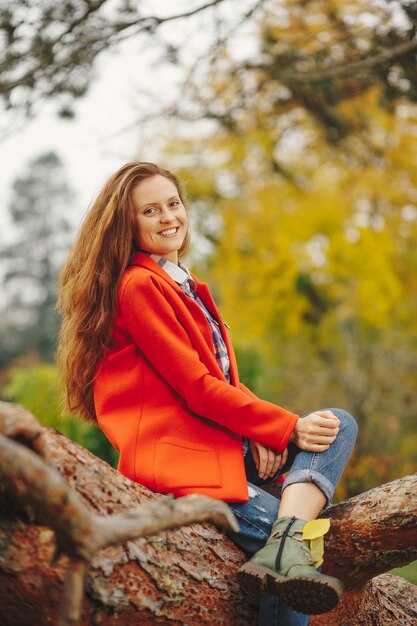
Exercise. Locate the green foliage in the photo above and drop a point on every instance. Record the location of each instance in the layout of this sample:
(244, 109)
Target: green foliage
(249, 365)
(409, 572)
(37, 388)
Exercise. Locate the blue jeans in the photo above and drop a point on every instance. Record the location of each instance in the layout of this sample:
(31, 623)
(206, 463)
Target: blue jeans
(256, 516)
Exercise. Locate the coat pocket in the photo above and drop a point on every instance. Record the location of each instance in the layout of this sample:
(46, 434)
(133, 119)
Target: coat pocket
(182, 463)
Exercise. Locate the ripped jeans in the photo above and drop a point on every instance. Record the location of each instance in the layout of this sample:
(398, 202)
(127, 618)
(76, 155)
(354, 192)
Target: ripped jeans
(256, 516)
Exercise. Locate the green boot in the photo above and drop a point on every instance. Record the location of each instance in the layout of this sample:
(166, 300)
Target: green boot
(284, 567)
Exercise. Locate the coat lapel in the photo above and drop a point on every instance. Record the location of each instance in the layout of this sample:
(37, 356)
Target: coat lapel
(143, 260)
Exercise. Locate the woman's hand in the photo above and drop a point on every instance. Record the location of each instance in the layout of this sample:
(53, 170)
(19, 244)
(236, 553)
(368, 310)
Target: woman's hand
(267, 461)
(316, 431)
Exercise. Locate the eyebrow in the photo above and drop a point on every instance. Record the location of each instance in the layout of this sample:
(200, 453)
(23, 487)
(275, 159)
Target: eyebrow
(176, 197)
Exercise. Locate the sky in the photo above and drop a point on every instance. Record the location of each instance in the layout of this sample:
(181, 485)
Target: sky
(92, 145)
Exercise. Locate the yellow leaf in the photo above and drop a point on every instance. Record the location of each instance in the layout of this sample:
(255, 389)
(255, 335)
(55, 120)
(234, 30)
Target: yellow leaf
(316, 528)
(313, 532)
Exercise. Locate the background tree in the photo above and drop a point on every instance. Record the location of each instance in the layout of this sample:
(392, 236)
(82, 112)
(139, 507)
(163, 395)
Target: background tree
(320, 268)
(31, 256)
(312, 58)
(321, 52)
(49, 49)
(298, 143)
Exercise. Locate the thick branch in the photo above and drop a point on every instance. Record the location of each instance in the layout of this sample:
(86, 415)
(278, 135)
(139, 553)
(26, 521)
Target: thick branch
(373, 532)
(164, 514)
(33, 482)
(80, 533)
(17, 423)
(181, 573)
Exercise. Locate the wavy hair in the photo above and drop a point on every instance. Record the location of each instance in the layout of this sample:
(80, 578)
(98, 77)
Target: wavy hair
(89, 280)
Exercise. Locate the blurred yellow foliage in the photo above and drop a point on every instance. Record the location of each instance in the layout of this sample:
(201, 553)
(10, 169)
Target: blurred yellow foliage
(314, 266)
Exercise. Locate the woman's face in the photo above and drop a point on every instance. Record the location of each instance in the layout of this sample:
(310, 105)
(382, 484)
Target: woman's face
(161, 218)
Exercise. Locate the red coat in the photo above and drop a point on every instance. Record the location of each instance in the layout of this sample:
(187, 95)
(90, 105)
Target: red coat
(163, 401)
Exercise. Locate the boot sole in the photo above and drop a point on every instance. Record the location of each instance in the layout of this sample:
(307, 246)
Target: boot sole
(304, 594)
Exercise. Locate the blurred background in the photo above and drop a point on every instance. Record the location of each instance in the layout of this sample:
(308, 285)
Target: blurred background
(293, 124)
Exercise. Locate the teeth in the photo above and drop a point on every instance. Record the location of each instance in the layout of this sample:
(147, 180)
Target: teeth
(171, 231)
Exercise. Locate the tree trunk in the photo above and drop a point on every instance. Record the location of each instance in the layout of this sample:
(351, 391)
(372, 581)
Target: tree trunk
(187, 576)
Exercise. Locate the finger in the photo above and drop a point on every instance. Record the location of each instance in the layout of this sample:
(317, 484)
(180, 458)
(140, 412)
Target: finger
(311, 435)
(326, 422)
(318, 436)
(255, 454)
(266, 461)
(328, 415)
(269, 462)
(276, 465)
(323, 427)
(315, 447)
(284, 458)
(263, 460)
(320, 439)
(315, 422)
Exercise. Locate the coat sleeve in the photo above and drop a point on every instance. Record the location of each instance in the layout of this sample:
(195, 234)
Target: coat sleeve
(152, 322)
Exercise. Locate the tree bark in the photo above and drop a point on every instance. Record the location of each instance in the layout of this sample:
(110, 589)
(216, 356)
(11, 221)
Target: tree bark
(384, 601)
(373, 532)
(187, 576)
(172, 577)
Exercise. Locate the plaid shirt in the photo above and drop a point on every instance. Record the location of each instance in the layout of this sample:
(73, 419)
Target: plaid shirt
(182, 276)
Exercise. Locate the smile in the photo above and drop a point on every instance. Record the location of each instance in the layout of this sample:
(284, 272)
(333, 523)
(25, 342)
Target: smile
(169, 232)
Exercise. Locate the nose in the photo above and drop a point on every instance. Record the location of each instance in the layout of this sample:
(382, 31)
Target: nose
(166, 216)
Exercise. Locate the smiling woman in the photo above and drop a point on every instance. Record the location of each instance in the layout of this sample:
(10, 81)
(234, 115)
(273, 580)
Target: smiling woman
(145, 352)
(162, 222)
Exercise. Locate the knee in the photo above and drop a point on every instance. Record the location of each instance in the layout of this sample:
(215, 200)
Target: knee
(348, 424)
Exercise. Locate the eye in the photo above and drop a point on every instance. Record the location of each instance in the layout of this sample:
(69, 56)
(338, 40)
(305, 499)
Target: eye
(149, 210)
(174, 203)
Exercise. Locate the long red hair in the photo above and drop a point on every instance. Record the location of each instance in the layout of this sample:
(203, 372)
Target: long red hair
(89, 280)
